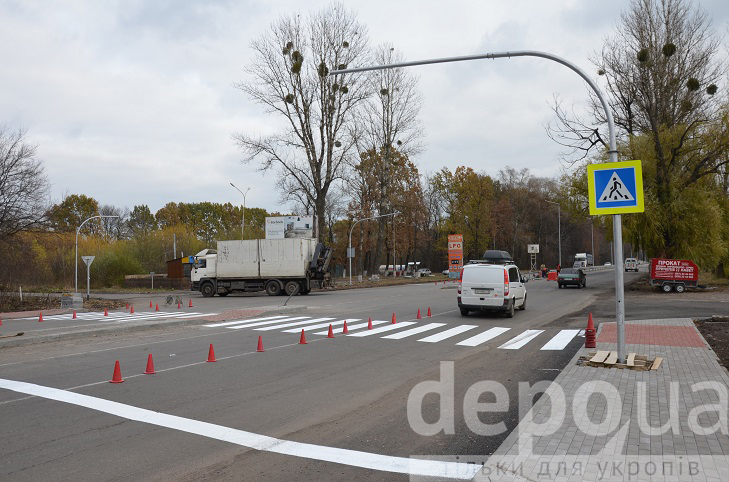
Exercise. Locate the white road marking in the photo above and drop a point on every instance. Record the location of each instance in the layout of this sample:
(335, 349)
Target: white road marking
(321, 325)
(483, 337)
(261, 323)
(355, 458)
(298, 323)
(357, 326)
(229, 323)
(382, 329)
(448, 333)
(521, 340)
(560, 340)
(413, 331)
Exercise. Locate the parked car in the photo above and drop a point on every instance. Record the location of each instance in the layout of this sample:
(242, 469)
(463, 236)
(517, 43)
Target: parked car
(446, 272)
(424, 272)
(571, 277)
(608, 263)
(491, 287)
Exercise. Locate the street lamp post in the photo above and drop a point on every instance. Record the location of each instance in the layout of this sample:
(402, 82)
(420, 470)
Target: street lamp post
(612, 155)
(243, 215)
(75, 282)
(559, 230)
(349, 250)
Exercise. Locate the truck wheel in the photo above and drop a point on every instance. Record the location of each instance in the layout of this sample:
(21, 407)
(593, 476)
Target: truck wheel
(680, 288)
(306, 292)
(273, 288)
(510, 310)
(292, 287)
(666, 288)
(224, 293)
(207, 289)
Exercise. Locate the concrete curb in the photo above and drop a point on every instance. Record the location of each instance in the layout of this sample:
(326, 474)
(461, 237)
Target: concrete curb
(30, 338)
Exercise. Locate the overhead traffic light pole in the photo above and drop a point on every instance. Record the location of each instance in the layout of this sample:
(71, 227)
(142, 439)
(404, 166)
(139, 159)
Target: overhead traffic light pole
(613, 155)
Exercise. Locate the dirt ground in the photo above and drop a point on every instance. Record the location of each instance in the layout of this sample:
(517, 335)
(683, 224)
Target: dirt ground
(716, 332)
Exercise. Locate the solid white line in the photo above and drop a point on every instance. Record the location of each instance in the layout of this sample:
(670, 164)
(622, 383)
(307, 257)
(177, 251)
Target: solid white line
(252, 440)
(321, 325)
(483, 337)
(448, 333)
(236, 322)
(261, 323)
(560, 340)
(521, 340)
(296, 323)
(413, 331)
(356, 327)
(382, 329)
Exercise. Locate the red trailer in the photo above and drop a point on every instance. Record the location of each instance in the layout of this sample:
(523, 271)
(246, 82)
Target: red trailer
(674, 274)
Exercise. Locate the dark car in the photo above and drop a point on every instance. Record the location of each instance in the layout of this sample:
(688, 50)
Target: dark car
(571, 276)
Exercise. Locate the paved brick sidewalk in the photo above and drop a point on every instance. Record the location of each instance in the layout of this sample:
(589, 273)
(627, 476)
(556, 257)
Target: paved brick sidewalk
(616, 424)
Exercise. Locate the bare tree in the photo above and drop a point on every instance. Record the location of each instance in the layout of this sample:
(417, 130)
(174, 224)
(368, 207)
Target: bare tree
(389, 124)
(289, 77)
(115, 228)
(23, 185)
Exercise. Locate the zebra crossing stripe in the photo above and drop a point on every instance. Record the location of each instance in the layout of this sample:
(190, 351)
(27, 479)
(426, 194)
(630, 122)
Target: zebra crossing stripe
(296, 323)
(355, 327)
(483, 337)
(321, 325)
(229, 323)
(262, 323)
(521, 340)
(560, 340)
(447, 334)
(382, 329)
(413, 331)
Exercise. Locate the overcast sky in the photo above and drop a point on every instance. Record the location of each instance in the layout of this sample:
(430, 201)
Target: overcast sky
(132, 102)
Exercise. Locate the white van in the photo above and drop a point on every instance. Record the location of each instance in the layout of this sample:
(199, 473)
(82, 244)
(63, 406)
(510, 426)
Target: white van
(491, 287)
(631, 264)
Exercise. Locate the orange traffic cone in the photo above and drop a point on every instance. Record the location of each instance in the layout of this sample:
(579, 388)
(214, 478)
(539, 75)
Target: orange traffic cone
(74, 315)
(1, 322)
(393, 319)
(345, 330)
(590, 341)
(191, 303)
(116, 378)
(132, 309)
(419, 317)
(260, 344)
(179, 305)
(150, 303)
(211, 354)
(127, 306)
(369, 323)
(150, 366)
(331, 333)
(429, 314)
(106, 312)
(40, 317)
(156, 307)
(302, 340)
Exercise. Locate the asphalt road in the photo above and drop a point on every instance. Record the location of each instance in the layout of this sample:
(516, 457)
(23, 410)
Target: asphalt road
(350, 392)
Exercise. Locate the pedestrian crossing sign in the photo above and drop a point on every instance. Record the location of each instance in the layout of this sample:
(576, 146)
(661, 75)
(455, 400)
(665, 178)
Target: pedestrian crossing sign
(615, 188)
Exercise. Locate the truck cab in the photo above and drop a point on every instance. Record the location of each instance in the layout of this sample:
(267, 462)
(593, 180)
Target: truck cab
(203, 268)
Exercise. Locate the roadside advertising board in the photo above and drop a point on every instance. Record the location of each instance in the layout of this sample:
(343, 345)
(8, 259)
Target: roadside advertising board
(455, 255)
(281, 227)
(674, 269)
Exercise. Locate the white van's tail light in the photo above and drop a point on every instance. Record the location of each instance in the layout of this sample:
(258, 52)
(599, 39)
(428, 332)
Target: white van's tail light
(506, 282)
(460, 282)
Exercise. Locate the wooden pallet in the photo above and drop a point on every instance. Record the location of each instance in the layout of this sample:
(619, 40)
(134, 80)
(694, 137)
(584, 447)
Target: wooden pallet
(609, 359)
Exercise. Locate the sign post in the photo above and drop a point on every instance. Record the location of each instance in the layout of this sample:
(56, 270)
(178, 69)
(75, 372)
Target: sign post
(533, 250)
(88, 260)
(455, 255)
(616, 188)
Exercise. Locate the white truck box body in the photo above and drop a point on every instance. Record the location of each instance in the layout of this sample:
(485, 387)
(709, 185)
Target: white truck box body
(279, 258)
